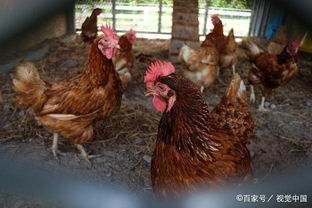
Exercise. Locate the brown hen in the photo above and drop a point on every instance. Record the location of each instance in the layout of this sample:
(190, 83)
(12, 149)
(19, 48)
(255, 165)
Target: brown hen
(226, 45)
(190, 151)
(124, 59)
(232, 114)
(271, 71)
(201, 64)
(89, 27)
(70, 108)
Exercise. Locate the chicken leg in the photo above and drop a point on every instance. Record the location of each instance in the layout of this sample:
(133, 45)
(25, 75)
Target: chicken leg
(261, 106)
(252, 98)
(85, 155)
(54, 147)
(233, 69)
(202, 89)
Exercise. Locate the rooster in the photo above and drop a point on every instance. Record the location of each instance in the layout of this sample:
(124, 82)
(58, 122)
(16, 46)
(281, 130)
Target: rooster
(70, 108)
(201, 64)
(124, 59)
(190, 150)
(232, 114)
(271, 70)
(226, 45)
(89, 27)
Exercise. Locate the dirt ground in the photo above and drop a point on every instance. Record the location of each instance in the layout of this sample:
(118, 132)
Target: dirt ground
(282, 137)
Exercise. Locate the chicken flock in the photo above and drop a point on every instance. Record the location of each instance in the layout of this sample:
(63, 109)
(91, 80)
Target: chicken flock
(194, 148)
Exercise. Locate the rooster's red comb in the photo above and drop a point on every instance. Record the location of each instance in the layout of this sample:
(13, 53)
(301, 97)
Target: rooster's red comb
(158, 68)
(215, 19)
(108, 31)
(131, 35)
(215, 16)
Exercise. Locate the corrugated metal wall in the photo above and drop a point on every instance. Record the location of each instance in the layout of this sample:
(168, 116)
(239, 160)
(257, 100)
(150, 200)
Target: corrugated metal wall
(266, 18)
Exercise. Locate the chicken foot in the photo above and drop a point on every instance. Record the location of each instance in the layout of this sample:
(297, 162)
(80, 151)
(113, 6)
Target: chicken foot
(261, 106)
(85, 155)
(54, 147)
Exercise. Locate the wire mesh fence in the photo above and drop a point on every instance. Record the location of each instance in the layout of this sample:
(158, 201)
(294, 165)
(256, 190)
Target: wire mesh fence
(23, 178)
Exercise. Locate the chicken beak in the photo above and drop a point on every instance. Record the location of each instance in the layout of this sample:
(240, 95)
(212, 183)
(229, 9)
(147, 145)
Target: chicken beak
(117, 46)
(148, 92)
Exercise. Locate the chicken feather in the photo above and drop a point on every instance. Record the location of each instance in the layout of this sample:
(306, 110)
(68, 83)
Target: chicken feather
(271, 71)
(70, 108)
(191, 152)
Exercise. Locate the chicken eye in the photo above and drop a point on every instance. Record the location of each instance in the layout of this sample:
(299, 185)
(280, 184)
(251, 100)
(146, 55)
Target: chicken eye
(170, 76)
(170, 93)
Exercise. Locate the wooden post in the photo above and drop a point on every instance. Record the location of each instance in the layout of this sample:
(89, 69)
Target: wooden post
(184, 26)
(159, 16)
(206, 17)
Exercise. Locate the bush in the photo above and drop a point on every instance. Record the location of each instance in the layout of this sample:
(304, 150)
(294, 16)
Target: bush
(238, 4)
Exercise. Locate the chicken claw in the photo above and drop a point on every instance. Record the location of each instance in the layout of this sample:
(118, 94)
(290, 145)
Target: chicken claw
(85, 155)
(57, 152)
(261, 107)
(54, 147)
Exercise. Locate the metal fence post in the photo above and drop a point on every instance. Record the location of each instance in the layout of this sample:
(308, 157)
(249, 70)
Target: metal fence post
(159, 16)
(114, 14)
(252, 24)
(206, 16)
(70, 18)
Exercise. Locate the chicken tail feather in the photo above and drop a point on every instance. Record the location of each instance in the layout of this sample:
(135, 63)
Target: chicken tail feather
(236, 90)
(231, 34)
(253, 49)
(29, 87)
(185, 53)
